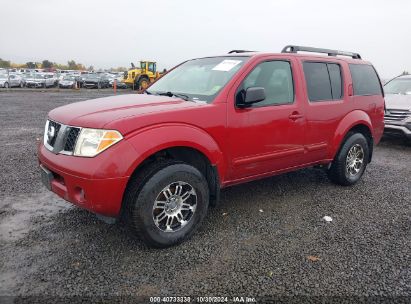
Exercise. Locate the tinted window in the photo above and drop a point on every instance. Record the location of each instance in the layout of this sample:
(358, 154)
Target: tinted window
(365, 80)
(323, 80)
(335, 78)
(276, 78)
(318, 81)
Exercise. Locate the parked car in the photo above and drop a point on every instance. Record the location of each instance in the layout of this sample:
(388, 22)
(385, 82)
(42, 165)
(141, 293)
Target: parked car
(158, 160)
(51, 78)
(119, 83)
(68, 82)
(95, 81)
(398, 107)
(4, 80)
(11, 80)
(17, 81)
(39, 81)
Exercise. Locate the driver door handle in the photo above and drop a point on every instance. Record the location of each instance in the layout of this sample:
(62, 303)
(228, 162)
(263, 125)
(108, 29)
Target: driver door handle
(295, 115)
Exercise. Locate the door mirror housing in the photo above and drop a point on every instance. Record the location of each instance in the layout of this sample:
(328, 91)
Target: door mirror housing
(250, 96)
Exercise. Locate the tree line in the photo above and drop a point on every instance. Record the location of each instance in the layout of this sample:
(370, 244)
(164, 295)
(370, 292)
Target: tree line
(45, 64)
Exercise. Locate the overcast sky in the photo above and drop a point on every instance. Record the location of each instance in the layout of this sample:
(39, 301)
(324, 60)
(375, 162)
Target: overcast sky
(114, 33)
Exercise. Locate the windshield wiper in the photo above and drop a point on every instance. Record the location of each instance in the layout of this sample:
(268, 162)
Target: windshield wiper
(171, 94)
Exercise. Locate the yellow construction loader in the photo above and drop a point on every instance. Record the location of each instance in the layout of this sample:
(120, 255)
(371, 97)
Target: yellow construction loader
(139, 78)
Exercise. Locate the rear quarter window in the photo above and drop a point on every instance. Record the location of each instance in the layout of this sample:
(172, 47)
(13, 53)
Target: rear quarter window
(365, 80)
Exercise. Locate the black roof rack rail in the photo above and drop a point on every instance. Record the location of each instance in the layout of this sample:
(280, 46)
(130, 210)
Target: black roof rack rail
(239, 51)
(297, 48)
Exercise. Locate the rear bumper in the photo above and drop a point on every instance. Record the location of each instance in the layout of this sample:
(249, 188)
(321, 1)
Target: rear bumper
(84, 182)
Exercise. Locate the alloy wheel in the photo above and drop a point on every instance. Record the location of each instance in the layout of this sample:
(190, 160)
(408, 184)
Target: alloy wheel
(355, 160)
(174, 206)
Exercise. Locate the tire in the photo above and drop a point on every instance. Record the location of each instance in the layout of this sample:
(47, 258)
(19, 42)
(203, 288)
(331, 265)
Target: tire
(143, 83)
(149, 186)
(346, 169)
(6, 85)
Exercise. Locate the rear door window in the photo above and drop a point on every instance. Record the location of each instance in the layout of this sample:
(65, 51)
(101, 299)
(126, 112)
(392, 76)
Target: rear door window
(324, 81)
(335, 78)
(365, 80)
(318, 81)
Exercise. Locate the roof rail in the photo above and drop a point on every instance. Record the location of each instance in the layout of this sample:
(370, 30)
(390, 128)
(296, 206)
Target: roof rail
(297, 48)
(239, 51)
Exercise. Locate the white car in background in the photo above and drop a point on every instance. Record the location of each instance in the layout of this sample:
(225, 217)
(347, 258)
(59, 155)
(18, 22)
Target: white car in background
(398, 107)
(67, 82)
(10, 81)
(39, 80)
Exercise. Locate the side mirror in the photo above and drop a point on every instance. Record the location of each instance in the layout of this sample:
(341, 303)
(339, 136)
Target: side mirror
(250, 96)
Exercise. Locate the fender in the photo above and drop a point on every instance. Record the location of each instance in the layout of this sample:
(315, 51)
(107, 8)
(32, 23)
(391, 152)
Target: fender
(352, 119)
(152, 139)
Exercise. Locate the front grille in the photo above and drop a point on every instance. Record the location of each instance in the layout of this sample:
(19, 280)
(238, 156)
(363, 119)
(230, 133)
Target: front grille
(71, 139)
(396, 115)
(60, 138)
(52, 135)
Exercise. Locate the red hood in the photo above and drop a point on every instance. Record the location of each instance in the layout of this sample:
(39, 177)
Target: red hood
(96, 113)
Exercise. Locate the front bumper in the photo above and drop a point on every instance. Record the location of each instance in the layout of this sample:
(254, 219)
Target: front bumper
(34, 84)
(90, 85)
(398, 129)
(96, 184)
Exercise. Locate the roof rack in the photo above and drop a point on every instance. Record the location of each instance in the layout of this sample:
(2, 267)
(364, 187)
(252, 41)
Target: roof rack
(239, 51)
(297, 48)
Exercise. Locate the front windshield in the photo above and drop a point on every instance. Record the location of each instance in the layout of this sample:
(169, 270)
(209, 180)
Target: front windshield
(398, 86)
(91, 76)
(39, 77)
(68, 78)
(199, 79)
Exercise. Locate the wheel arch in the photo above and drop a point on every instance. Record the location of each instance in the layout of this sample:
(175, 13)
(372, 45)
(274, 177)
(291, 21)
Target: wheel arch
(183, 143)
(356, 121)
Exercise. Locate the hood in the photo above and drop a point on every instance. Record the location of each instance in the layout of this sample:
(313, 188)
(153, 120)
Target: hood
(97, 113)
(398, 101)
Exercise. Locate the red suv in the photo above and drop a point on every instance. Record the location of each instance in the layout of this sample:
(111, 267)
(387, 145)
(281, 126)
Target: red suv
(158, 160)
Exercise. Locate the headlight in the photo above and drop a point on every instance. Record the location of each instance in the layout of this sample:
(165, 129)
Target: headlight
(93, 141)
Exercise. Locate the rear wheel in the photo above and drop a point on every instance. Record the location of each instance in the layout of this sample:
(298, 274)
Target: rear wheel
(166, 203)
(349, 164)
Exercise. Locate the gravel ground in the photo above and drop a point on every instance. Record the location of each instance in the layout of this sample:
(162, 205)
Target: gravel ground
(266, 238)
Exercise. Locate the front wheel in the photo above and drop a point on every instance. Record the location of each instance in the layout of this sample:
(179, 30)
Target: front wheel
(349, 164)
(143, 83)
(167, 203)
